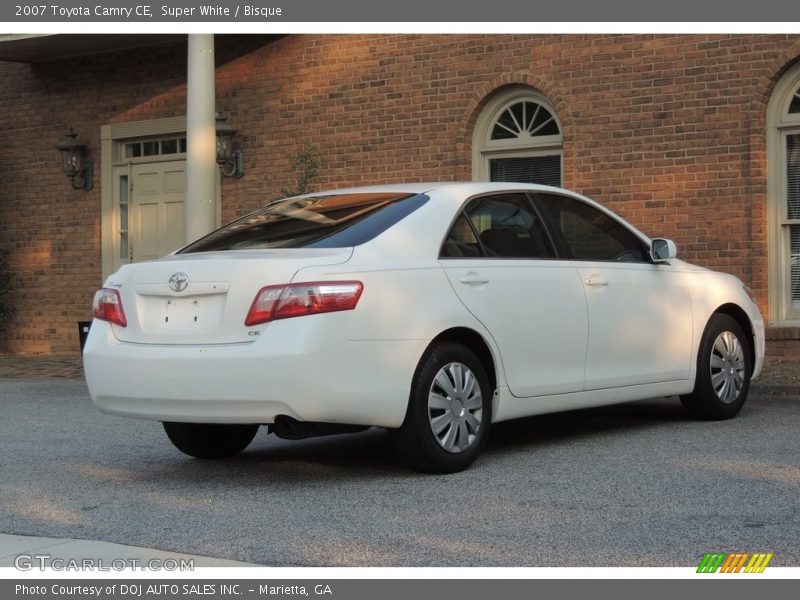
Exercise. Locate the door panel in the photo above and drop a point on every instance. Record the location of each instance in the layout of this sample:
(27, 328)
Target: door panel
(533, 305)
(536, 312)
(146, 243)
(640, 329)
(640, 314)
(158, 224)
(174, 226)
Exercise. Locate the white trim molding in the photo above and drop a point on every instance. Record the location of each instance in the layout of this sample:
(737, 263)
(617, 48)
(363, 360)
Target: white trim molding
(780, 124)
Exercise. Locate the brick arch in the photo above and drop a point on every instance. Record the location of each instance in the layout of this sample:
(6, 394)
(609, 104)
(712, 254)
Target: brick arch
(485, 93)
(758, 225)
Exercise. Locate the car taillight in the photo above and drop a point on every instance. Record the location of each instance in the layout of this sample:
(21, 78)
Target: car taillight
(298, 299)
(107, 306)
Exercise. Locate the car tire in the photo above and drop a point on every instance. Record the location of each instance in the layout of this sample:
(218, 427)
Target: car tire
(208, 440)
(724, 366)
(449, 411)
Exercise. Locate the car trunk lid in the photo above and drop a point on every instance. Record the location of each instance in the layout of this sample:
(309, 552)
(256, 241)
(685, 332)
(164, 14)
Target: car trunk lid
(203, 298)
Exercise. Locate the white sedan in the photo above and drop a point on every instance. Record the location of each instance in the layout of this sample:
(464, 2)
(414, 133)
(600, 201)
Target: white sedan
(432, 310)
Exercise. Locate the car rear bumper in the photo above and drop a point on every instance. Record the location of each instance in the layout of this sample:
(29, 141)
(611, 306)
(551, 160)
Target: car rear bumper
(308, 371)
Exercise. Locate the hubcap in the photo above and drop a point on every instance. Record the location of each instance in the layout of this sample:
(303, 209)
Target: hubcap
(727, 367)
(455, 407)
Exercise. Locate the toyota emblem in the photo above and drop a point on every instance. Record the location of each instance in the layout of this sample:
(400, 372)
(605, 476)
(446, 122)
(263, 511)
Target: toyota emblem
(178, 282)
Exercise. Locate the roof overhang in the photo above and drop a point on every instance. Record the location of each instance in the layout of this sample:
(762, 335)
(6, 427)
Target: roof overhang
(33, 48)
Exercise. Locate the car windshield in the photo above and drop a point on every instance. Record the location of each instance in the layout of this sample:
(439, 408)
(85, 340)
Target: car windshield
(324, 221)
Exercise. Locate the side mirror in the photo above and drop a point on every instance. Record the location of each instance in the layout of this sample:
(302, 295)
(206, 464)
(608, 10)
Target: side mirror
(662, 250)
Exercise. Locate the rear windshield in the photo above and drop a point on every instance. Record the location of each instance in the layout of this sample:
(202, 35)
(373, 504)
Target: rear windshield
(329, 221)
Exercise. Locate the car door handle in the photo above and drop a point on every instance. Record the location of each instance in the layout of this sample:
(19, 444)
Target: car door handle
(473, 278)
(595, 281)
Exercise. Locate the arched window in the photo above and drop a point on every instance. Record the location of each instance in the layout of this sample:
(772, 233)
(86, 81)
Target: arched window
(518, 138)
(784, 198)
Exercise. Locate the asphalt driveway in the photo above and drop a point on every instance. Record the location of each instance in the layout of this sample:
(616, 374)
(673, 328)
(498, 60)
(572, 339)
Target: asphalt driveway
(632, 485)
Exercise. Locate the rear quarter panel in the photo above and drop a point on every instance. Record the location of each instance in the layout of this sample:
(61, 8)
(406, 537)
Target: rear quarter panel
(403, 305)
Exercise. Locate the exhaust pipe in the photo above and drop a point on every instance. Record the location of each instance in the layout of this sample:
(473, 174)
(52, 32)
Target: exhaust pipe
(288, 428)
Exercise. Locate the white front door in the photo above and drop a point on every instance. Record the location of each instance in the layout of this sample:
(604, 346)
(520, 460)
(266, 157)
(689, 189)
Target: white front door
(156, 217)
(640, 324)
(640, 313)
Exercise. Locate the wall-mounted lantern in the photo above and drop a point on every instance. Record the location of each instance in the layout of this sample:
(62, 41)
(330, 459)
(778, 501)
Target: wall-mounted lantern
(77, 167)
(230, 159)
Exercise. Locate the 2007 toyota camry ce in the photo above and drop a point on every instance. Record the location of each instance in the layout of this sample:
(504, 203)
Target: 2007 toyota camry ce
(431, 310)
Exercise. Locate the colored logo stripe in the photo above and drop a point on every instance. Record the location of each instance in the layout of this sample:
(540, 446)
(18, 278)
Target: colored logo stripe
(734, 563)
(758, 563)
(711, 562)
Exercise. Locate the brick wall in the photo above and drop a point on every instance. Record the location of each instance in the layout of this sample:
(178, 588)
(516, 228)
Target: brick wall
(783, 342)
(666, 130)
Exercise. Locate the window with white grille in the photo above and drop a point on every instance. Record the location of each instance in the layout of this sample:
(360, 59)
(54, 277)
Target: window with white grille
(518, 138)
(783, 129)
(792, 222)
(794, 106)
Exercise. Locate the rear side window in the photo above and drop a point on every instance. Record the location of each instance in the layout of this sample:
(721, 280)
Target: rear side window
(329, 221)
(506, 226)
(591, 234)
(462, 241)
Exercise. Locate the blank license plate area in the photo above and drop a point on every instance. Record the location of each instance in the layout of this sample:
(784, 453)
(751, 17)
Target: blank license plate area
(196, 315)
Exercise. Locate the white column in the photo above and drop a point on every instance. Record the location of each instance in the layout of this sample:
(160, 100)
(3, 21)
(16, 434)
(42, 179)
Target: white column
(201, 139)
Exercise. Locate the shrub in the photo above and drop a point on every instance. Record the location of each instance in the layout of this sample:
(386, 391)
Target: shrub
(306, 164)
